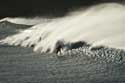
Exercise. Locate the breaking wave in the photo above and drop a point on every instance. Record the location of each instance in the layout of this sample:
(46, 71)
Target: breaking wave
(103, 24)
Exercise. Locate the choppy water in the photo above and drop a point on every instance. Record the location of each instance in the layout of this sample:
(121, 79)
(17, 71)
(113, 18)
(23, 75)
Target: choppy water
(22, 65)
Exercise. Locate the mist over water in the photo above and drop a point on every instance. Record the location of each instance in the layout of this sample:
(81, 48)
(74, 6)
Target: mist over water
(103, 24)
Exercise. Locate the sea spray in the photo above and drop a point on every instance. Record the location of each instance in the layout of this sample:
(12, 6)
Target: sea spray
(97, 23)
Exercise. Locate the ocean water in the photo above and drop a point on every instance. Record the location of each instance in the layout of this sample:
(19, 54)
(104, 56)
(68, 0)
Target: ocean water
(87, 63)
(22, 65)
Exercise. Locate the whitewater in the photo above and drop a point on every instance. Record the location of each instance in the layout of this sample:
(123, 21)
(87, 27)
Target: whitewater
(99, 25)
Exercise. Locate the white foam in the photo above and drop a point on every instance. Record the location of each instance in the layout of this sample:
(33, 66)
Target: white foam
(99, 23)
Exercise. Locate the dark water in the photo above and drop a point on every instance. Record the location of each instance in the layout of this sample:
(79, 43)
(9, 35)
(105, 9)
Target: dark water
(22, 65)
(8, 28)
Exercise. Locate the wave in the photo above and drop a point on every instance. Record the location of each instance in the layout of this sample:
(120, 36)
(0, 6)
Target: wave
(7, 28)
(25, 21)
(103, 24)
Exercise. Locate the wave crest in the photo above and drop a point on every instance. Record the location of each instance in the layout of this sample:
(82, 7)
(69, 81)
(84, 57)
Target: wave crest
(105, 21)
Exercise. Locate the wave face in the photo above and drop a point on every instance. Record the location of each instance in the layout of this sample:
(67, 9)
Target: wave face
(7, 28)
(102, 24)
